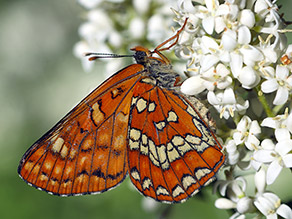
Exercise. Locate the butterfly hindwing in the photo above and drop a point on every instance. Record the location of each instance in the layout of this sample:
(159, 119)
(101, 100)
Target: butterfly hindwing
(86, 151)
(172, 151)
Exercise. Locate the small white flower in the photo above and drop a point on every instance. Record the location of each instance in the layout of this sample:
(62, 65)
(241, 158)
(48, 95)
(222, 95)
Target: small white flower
(277, 156)
(232, 152)
(270, 205)
(226, 104)
(283, 121)
(234, 189)
(246, 132)
(248, 77)
(217, 77)
(282, 82)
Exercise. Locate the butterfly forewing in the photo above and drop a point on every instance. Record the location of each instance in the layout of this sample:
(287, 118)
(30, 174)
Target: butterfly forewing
(172, 151)
(86, 151)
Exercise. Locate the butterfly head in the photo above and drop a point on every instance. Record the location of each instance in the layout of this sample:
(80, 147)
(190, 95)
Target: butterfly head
(145, 57)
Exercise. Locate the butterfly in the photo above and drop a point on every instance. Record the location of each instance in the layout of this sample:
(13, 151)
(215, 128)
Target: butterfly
(136, 123)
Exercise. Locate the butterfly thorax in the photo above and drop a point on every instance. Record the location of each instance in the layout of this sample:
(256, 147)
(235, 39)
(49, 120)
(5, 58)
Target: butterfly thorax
(158, 69)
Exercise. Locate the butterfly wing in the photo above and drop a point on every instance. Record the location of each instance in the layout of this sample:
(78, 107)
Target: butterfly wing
(172, 150)
(86, 151)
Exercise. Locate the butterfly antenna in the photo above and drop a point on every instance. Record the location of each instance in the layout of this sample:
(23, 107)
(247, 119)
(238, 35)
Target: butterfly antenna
(94, 56)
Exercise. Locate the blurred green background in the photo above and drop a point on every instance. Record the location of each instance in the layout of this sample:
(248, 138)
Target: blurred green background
(40, 81)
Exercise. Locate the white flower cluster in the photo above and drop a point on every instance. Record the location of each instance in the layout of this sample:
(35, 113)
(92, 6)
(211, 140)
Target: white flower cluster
(117, 25)
(238, 55)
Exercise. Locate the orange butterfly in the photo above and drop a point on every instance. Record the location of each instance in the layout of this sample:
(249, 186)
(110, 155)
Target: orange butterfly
(136, 122)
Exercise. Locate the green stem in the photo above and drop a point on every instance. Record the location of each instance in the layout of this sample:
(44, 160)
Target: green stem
(264, 102)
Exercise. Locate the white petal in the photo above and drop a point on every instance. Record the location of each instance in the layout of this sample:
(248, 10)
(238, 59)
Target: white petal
(212, 99)
(244, 35)
(270, 122)
(263, 156)
(283, 147)
(223, 203)
(284, 211)
(268, 144)
(289, 122)
(229, 96)
(260, 180)
(229, 40)
(208, 61)
(252, 142)
(192, 85)
(244, 123)
(220, 24)
(273, 172)
(282, 134)
(282, 72)
(244, 205)
(281, 96)
(251, 55)
(247, 18)
(255, 127)
(209, 44)
(269, 86)
(287, 159)
(236, 64)
(248, 77)
(263, 205)
(208, 24)
(238, 138)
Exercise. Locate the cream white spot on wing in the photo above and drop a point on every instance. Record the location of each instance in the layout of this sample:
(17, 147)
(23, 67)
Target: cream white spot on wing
(177, 140)
(96, 114)
(134, 145)
(151, 107)
(191, 111)
(43, 177)
(134, 100)
(141, 105)
(135, 134)
(144, 139)
(146, 183)
(172, 153)
(160, 125)
(202, 172)
(177, 191)
(64, 151)
(153, 153)
(135, 174)
(181, 144)
(56, 147)
(161, 191)
(161, 151)
(172, 117)
(187, 181)
(193, 139)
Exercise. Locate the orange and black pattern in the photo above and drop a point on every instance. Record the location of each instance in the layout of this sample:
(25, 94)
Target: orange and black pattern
(137, 123)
